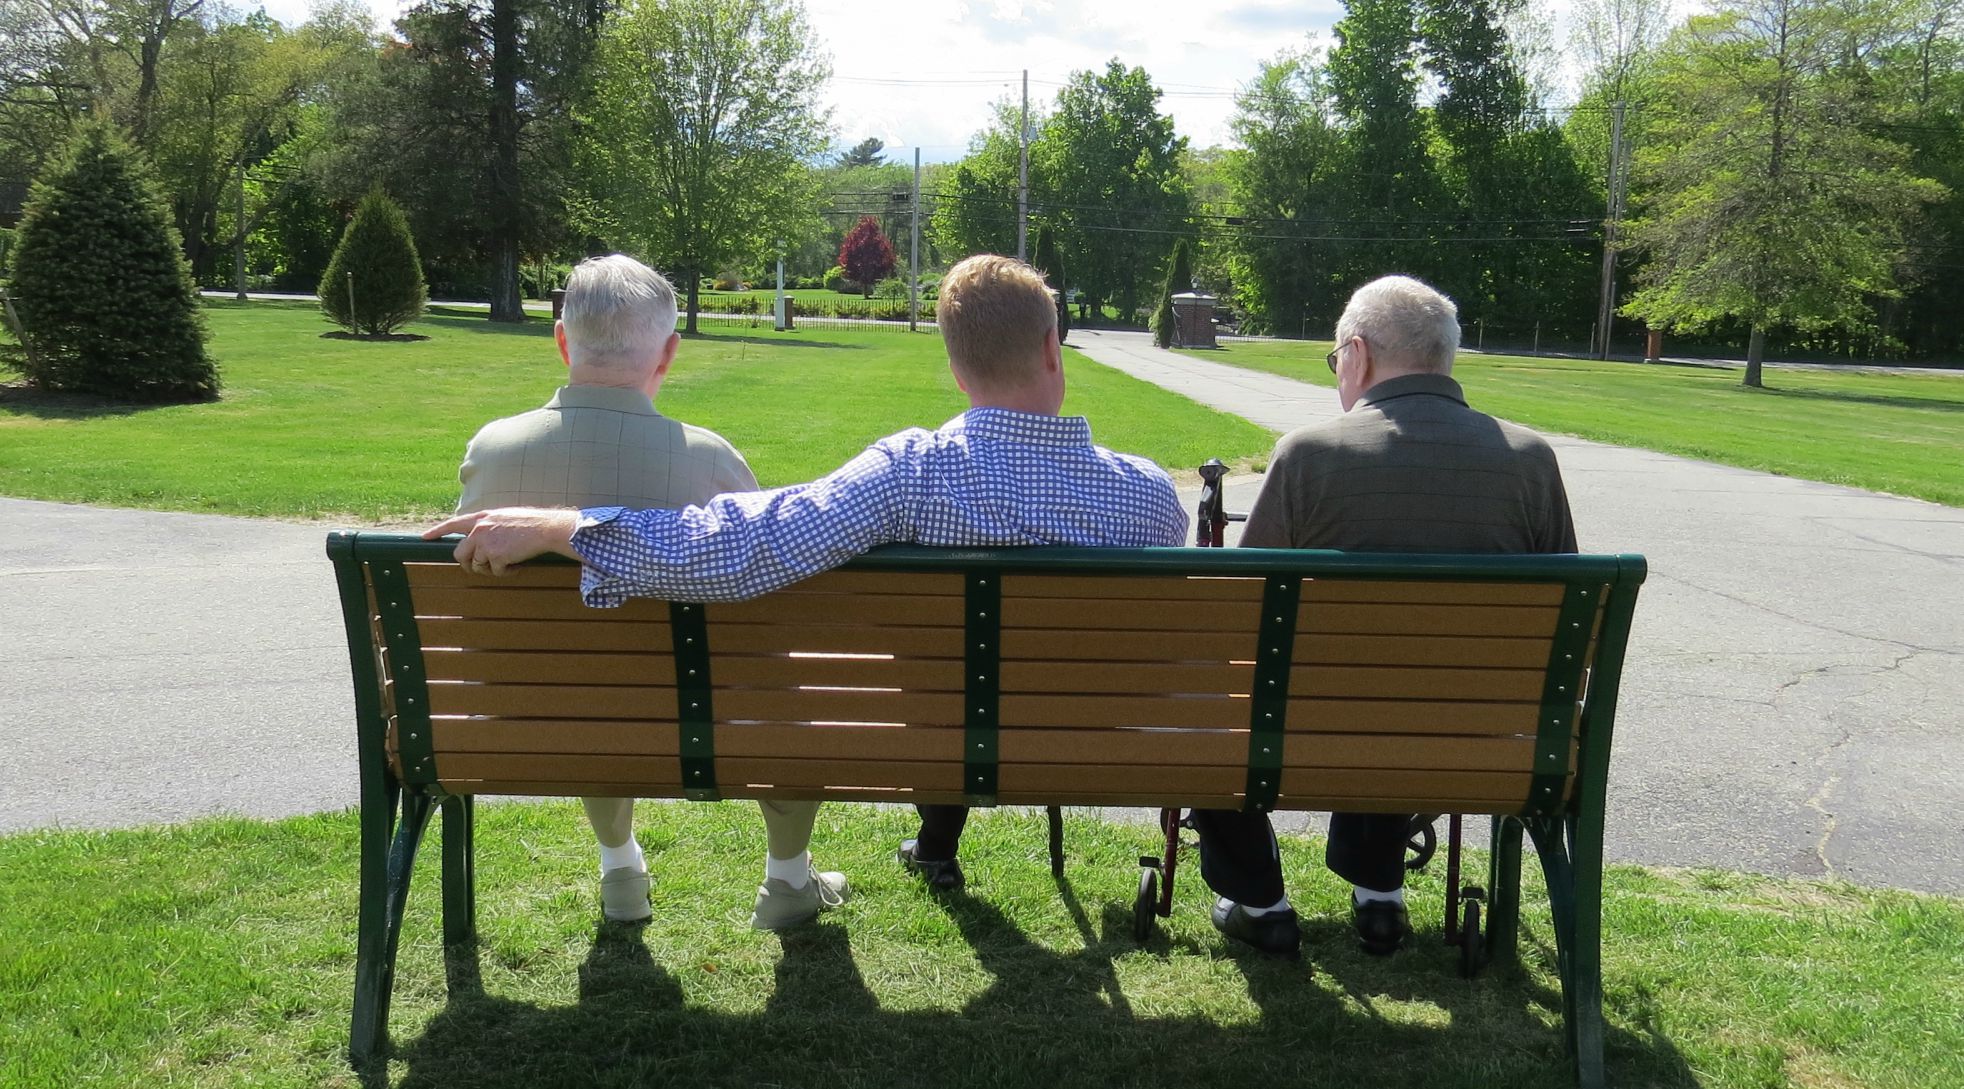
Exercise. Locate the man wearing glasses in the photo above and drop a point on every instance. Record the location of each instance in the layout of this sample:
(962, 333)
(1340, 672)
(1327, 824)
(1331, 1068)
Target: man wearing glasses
(1408, 467)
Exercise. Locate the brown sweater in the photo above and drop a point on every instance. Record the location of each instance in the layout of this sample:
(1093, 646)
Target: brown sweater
(1412, 469)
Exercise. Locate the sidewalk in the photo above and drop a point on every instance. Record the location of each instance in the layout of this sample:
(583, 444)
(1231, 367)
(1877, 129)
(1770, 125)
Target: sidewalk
(1792, 699)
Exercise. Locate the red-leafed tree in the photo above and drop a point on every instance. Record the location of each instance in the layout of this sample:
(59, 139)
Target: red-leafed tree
(866, 255)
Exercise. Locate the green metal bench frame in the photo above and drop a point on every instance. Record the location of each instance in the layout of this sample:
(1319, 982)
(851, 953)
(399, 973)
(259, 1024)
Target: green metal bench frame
(1567, 831)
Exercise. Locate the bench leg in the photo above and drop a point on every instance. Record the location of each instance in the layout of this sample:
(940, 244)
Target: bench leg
(385, 888)
(1056, 815)
(459, 871)
(1504, 893)
(1575, 900)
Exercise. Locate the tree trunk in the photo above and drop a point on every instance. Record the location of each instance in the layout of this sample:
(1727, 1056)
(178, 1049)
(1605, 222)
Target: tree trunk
(507, 212)
(695, 284)
(1755, 351)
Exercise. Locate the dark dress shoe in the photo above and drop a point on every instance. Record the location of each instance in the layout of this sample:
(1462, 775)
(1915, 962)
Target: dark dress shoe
(1276, 933)
(1381, 925)
(945, 876)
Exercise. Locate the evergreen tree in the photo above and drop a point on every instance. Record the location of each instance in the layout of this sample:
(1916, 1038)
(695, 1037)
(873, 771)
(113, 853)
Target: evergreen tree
(1051, 264)
(100, 281)
(374, 283)
(1179, 278)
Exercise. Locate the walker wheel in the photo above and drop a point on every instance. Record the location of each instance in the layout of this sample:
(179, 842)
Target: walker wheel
(1422, 841)
(1146, 906)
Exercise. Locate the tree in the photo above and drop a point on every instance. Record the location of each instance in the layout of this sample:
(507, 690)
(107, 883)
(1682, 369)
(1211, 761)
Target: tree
(101, 285)
(1287, 178)
(976, 212)
(1179, 278)
(1050, 262)
(466, 118)
(1109, 163)
(1770, 199)
(866, 255)
(864, 153)
(374, 283)
(1374, 84)
(702, 118)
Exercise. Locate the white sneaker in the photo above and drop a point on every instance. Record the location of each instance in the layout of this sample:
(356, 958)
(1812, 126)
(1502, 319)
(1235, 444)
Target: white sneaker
(780, 907)
(624, 895)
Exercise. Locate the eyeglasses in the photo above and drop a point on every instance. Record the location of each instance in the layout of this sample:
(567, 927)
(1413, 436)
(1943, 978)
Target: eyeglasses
(1331, 359)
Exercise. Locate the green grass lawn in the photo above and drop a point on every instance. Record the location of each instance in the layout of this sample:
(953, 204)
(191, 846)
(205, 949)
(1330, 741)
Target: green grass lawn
(221, 953)
(359, 431)
(1893, 433)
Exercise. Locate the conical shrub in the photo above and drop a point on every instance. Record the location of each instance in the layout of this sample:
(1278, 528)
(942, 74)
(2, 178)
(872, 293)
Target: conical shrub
(1179, 279)
(100, 282)
(374, 282)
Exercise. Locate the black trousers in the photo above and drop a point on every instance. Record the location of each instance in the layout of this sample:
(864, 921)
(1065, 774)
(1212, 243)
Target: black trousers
(941, 831)
(1238, 858)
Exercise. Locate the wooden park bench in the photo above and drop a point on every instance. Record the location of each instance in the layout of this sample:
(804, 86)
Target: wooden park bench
(1221, 678)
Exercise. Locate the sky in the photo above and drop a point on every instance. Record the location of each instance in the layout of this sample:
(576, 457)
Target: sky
(925, 73)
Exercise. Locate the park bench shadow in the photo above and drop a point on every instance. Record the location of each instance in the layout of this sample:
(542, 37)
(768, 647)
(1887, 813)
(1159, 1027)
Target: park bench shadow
(710, 332)
(1050, 1018)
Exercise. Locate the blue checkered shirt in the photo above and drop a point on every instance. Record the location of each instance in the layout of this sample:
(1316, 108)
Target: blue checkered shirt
(989, 478)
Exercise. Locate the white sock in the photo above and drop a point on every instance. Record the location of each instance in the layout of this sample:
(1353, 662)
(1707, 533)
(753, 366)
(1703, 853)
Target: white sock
(625, 857)
(1364, 896)
(792, 871)
(1257, 912)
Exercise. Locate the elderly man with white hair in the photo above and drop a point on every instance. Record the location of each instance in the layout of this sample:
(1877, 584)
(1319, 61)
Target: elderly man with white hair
(1408, 467)
(600, 442)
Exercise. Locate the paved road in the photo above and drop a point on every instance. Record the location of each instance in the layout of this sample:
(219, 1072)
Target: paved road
(1791, 704)
(1794, 699)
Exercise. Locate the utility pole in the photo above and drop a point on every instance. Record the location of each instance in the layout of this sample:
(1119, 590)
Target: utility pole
(238, 253)
(914, 255)
(1023, 176)
(1606, 306)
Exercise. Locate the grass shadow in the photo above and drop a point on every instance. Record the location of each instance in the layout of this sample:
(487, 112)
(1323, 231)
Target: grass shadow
(1051, 1016)
(770, 342)
(24, 400)
(373, 338)
(1849, 397)
(479, 321)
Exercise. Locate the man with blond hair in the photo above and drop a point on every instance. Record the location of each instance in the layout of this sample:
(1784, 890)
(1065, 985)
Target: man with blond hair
(1008, 472)
(601, 440)
(1408, 467)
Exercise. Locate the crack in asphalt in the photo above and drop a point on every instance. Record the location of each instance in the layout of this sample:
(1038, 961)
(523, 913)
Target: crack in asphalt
(1803, 621)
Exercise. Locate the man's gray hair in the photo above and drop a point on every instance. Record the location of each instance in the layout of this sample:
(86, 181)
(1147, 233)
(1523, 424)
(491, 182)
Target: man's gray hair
(618, 312)
(1407, 323)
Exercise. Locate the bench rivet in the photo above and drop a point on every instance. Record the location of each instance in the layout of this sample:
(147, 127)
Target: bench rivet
(688, 639)
(694, 706)
(1266, 749)
(695, 740)
(981, 745)
(984, 614)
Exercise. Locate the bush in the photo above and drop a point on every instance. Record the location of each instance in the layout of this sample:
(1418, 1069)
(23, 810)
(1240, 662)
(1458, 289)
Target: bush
(893, 287)
(539, 282)
(837, 280)
(380, 257)
(1179, 279)
(100, 281)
